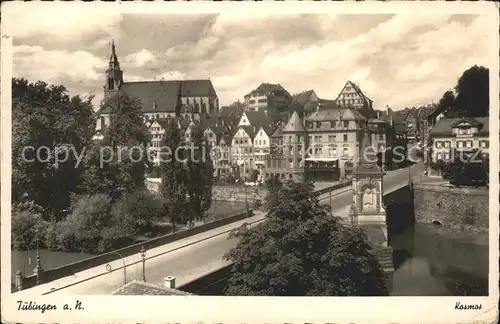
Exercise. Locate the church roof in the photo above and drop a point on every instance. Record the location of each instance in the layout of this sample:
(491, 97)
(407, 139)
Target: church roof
(164, 95)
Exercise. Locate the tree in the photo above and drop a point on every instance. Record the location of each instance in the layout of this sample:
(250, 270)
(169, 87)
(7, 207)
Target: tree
(173, 186)
(81, 230)
(200, 171)
(471, 96)
(48, 122)
(300, 250)
(473, 92)
(118, 164)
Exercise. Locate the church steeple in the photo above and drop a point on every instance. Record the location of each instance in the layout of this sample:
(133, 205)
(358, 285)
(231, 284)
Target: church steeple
(113, 59)
(114, 76)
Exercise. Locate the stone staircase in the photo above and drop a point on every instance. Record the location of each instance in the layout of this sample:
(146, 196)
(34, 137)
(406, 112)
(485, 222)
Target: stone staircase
(384, 256)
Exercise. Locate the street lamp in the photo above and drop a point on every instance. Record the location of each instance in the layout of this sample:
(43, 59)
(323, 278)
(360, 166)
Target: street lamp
(246, 200)
(143, 256)
(108, 267)
(38, 268)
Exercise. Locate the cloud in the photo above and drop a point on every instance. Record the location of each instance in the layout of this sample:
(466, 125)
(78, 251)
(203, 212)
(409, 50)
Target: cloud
(399, 60)
(63, 21)
(141, 58)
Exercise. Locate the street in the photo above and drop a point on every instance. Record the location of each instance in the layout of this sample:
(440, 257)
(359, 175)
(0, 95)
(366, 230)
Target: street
(190, 262)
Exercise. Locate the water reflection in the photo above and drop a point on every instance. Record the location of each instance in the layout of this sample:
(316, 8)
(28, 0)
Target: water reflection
(432, 261)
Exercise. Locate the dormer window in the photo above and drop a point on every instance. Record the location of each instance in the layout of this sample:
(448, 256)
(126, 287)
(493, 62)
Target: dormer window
(155, 105)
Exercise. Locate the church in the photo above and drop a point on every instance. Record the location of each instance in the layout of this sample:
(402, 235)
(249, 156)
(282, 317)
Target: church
(160, 99)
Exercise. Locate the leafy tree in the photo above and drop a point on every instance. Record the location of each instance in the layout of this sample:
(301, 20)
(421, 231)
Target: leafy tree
(200, 171)
(81, 230)
(473, 92)
(126, 126)
(173, 188)
(26, 219)
(142, 207)
(302, 251)
(44, 115)
(118, 164)
(472, 95)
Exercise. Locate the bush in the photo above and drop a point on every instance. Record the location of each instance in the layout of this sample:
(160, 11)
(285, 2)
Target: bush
(113, 238)
(141, 207)
(26, 218)
(82, 228)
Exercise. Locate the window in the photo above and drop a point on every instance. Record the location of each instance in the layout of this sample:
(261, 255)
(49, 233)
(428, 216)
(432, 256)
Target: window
(439, 156)
(309, 125)
(309, 138)
(332, 124)
(346, 123)
(251, 102)
(447, 144)
(265, 142)
(318, 150)
(438, 144)
(467, 131)
(484, 143)
(469, 143)
(345, 138)
(446, 156)
(345, 151)
(380, 136)
(332, 151)
(318, 124)
(460, 144)
(331, 138)
(262, 100)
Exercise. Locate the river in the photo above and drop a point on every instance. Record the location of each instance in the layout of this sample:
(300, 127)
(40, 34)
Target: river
(435, 261)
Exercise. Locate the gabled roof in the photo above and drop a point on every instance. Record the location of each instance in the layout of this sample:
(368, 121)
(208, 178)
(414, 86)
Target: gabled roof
(278, 132)
(444, 125)
(257, 118)
(468, 121)
(250, 131)
(295, 124)
(336, 114)
(268, 88)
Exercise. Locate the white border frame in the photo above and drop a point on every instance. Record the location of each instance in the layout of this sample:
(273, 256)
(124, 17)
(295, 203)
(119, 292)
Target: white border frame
(256, 309)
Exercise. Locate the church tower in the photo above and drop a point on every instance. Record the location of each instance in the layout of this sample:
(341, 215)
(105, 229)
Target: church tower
(114, 76)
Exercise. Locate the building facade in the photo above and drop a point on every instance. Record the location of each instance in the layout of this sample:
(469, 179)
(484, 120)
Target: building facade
(461, 135)
(352, 96)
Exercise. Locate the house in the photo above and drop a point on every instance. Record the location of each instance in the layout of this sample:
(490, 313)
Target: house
(159, 99)
(334, 136)
(242, 149)
(463, 135)
(352, 96)
(267, 95)
(262, 145)
(223, 156)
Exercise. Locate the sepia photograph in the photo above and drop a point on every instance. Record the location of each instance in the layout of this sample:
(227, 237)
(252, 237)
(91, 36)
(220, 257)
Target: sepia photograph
(227, 151)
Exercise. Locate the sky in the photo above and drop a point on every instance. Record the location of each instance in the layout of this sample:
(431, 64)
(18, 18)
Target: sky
(398, 60)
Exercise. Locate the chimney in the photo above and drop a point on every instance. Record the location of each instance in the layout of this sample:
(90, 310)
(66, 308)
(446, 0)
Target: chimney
(254, 130)
(170, 282)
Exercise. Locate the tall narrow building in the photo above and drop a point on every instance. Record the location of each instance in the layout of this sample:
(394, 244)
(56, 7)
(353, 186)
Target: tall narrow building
(114, 76)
